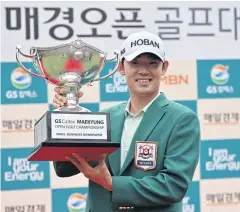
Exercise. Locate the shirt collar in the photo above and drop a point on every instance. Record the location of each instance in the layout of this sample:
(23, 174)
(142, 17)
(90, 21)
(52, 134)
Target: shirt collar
(127, 111)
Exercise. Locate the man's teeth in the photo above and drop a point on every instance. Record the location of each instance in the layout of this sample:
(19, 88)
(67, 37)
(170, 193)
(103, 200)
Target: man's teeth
(143, 80)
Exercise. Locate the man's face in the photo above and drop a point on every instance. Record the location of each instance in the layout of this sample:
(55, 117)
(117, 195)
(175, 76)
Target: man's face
(143, 74)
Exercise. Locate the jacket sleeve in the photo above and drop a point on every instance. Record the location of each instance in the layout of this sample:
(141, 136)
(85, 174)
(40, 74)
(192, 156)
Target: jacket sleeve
(171, 183)
(65, 168)
(68, 169)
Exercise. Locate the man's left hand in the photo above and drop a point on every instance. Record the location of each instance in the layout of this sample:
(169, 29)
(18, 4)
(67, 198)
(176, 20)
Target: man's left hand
(98, 174)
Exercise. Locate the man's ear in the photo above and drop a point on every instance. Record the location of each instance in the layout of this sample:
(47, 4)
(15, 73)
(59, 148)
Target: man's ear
(121, 68)
(165, 67)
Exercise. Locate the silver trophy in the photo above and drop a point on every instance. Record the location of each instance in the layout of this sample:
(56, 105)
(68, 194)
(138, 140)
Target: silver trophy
(71, 128)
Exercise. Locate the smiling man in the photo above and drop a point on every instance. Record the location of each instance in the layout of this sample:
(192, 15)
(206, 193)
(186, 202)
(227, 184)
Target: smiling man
(159, 140)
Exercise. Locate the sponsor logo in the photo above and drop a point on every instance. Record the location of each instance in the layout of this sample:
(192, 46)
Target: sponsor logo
(219, 74)
(223, 198)
(21, 79)
(77, 202)
(220, 159)
(19, 173)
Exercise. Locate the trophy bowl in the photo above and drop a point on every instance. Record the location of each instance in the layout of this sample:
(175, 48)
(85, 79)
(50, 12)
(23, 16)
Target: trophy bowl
(70, 128)
(70, 65)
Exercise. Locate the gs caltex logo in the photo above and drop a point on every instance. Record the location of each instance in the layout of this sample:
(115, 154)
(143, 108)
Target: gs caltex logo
(220, 77)
(77, 202)
(20, 87)
(219, 74)
(69, 199)
(21, 79)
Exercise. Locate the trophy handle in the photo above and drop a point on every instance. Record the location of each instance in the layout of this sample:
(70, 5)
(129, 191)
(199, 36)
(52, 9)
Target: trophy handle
(27, 56)
(114, 70)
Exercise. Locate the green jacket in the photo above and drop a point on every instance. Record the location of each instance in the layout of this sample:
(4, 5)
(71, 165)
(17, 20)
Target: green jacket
(176, 129)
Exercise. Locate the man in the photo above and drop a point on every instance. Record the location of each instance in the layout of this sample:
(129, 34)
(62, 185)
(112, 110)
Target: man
(159, 140)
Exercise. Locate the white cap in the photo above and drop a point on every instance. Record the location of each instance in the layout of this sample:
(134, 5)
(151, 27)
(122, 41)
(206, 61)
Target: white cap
(142, 42)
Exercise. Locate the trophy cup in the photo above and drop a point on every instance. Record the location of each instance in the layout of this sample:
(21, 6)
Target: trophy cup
(72, 128)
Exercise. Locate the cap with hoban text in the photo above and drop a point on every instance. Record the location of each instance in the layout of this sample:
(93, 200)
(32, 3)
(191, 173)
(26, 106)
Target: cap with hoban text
(142, 42)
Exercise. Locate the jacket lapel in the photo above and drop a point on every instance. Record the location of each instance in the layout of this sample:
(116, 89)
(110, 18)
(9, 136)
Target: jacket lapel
(151, 118)
(117, 122)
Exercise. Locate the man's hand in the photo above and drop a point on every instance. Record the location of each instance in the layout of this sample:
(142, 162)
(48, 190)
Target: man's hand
(59, 99)
(98, 174)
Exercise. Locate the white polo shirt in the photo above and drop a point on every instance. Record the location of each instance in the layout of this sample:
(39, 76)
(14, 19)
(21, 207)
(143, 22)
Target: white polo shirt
(131, 124)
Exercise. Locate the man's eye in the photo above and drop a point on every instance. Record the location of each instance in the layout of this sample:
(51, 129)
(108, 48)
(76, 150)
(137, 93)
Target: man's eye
(153, 63)
(134, 62)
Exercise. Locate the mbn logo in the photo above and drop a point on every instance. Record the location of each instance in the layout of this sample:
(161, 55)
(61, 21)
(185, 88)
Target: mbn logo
(175, 79)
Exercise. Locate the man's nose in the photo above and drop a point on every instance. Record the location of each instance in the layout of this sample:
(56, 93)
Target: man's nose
(144, 69)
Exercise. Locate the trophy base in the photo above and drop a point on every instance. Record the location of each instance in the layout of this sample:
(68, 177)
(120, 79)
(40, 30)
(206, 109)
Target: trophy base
(52, 151)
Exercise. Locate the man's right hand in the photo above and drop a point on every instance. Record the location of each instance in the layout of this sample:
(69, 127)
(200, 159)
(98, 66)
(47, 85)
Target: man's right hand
(59, 99)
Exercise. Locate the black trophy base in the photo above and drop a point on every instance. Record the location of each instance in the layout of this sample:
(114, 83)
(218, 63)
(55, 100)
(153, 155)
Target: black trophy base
(52, 151)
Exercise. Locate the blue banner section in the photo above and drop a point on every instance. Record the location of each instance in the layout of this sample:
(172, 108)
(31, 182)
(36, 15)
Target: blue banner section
(113, 88)
(70, 199)
(191, 201)
(220, 159)
(17, 173)
(218, 78)
(20, 87)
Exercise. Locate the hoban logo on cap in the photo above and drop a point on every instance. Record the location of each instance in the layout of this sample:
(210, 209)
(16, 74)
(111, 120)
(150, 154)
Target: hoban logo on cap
(145, 42)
